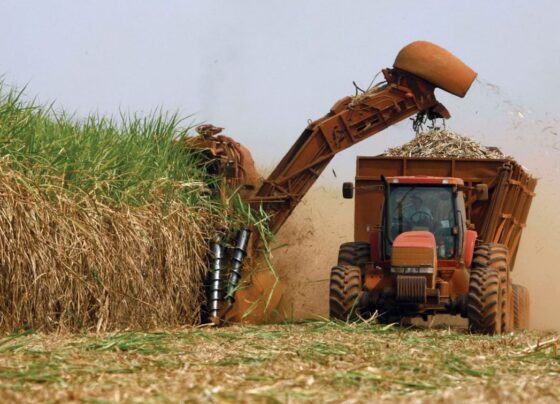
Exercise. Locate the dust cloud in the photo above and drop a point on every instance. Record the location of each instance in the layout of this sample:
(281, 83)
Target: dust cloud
(538, 259)
(308, 248)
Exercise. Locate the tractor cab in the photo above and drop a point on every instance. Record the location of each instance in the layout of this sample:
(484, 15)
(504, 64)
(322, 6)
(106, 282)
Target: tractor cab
(424, 204)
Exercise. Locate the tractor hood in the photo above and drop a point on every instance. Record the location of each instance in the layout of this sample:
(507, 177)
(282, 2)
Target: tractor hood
(414, 249)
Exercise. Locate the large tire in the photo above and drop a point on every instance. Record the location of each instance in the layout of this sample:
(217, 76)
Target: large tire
(520, 307)
(488, 299)
(355, 253)
(345, 292)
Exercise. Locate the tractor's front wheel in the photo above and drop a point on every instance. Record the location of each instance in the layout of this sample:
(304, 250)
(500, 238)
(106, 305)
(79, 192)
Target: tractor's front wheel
(488, 308)
(345, 292)
(356, 253)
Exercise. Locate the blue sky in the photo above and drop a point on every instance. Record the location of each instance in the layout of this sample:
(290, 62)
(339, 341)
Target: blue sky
(262, 69)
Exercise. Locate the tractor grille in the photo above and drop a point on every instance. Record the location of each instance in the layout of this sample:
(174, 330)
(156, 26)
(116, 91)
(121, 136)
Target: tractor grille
(411, 289)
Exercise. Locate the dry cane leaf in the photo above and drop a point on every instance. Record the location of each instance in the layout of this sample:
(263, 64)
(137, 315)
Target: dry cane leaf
(439, 142)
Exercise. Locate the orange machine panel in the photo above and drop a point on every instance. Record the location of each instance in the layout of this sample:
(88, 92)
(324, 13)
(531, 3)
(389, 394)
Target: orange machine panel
(414, 249)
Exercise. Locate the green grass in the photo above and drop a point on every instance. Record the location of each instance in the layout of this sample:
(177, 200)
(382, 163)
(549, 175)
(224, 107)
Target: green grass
(315, 361)
(130, 160)
(126, 160)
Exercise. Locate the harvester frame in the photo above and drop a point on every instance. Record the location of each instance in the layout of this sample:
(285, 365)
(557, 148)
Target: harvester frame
(418, 70)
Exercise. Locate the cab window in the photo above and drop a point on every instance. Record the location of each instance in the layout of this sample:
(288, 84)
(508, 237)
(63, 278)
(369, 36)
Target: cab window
(426, 208)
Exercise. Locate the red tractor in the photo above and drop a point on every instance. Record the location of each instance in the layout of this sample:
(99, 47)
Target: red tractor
(435, 236)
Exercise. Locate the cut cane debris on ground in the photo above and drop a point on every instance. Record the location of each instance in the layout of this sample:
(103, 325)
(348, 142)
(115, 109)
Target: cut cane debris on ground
(315, 362)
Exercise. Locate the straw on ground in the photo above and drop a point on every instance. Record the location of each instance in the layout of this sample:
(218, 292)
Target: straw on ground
(316, 362)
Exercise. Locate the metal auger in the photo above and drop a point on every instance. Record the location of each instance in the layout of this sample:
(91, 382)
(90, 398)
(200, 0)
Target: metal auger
(215, 287)
(237, 258)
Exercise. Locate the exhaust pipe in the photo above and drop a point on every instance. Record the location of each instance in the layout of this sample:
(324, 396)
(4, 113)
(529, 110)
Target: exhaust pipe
(237, 258)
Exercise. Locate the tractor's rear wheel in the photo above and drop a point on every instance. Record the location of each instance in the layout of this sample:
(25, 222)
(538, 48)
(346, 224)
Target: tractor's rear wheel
(345, 292)
(488, 298)
(520, 307)
(355, 253)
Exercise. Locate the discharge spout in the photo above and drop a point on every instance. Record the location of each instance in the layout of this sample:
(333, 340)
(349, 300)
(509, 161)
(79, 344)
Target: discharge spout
(436, 65)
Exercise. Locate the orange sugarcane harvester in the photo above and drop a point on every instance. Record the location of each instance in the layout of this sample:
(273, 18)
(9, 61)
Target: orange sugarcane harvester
(431, 235)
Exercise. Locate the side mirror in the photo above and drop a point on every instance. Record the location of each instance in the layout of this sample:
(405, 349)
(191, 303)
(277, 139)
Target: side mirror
(347, 190)
(482, 192)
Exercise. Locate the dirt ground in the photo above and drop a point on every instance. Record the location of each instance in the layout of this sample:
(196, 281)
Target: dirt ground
(316, 362)
(309, 247)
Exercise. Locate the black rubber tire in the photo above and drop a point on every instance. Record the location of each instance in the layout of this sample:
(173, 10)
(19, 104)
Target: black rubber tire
(345, 292)
(520, 307)
(488, 309)
(355, 253)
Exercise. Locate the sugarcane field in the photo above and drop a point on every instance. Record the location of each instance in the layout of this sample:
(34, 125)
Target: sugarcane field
(279, 202)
